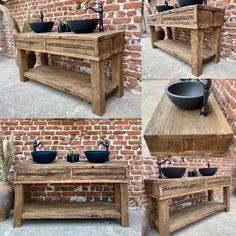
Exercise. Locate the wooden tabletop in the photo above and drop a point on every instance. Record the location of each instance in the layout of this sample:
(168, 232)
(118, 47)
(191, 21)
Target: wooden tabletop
(174, 131)
(94, 36)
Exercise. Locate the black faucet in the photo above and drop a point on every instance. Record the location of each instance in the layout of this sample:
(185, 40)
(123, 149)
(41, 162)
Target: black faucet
(206, 83)
(36, 144)
(106, 144)
(41, 16)
(159, 163)
(100, 11)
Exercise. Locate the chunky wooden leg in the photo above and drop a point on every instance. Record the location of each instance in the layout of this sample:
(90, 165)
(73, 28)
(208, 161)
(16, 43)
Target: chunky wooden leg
(226, 198)
(153, 35)
(196, 48)
(23, 66)
(26, 193)
(98, 87)
(216, 38)
(124, 205)
(18, 205)
(169, 32)
(117, 74)
(210, 195)
(44, 59)
(164, 217)
(117, 193)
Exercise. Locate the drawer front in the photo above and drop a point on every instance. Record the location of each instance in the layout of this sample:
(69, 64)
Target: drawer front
(90, 174)
(218, 182)
(43, 175)
(72, 46)
(30, 44)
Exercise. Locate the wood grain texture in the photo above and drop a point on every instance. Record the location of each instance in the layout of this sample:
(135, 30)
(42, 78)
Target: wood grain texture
(124, 205)
(44, 59)
(182, 50)
(173, 131)
(23, 65)
(74, 83)
(160, 191)
(216, 39)
(18, 205)
(196, 51)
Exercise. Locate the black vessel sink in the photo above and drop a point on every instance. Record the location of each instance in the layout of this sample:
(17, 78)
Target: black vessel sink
(43, 157)
(97, 156)
(186, 95)
(183, 3)
(209, 171)
(83, 26)
(41, 27)
(161, 8)
(173, 172)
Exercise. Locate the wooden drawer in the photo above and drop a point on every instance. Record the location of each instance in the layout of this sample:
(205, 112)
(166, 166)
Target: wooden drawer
(30, 43)
(74, 46)
(42, 174)
(99, 174)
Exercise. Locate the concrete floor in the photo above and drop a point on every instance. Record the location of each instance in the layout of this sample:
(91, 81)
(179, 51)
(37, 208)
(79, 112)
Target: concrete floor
(74, 227)
(34, 100)
(219, 224)
(158, 64)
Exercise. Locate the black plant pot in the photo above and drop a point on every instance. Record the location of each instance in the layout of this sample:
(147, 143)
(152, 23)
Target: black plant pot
(183, 3)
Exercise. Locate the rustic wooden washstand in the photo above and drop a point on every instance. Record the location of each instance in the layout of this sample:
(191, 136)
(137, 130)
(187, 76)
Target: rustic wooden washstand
(112, 172)
(96, 47)
(196, 18)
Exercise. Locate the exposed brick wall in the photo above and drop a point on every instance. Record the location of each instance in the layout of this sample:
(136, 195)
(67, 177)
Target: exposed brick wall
(228, 39)
(225, 93)
(118, 15)
(65, 135)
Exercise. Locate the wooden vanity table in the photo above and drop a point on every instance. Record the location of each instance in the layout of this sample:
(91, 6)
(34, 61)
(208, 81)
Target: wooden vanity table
(96, 47)
(161, 191)
(112, 172)
(196, 18)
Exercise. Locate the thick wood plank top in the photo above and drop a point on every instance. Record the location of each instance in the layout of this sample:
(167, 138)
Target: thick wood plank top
(174, 131)
(94, 36)
(77, 165)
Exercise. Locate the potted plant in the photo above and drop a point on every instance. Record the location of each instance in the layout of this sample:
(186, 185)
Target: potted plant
(30, 55)
(7, 153)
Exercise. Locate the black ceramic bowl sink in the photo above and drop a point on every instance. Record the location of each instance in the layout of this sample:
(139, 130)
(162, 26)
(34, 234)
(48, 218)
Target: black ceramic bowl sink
(161, 8)
(43, 157)
(209, 171)
(173, 172)
(97, 156)
(186, 95)
(183, 3)
(83, 26)
(41, 27)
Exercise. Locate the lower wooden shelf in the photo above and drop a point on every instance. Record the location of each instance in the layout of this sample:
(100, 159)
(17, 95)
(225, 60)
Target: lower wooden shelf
(182, 50)
(70, 210)
(188, 215)
(75, 83)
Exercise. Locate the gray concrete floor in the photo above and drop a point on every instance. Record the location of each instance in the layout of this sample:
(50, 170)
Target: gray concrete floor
(219, 224)
(34, 100)
(74, 227)
(158, 64)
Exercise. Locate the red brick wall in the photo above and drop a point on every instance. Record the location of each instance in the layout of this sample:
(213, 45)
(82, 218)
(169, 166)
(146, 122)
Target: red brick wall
(65, 135)
(228, 40)
(225, 93)
(118, 15)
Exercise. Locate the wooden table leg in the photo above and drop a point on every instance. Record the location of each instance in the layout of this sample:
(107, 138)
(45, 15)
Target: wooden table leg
(210, 195)
(98, 87)
(26, 193)
(23, 66)
(124, 205)
(164, 217)
(216, 39)
(44, 59)
(117, 74)
(117, 193)
(18, 205)
(153, 35)
(169, 33)
(196, 51)
(226, 198)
